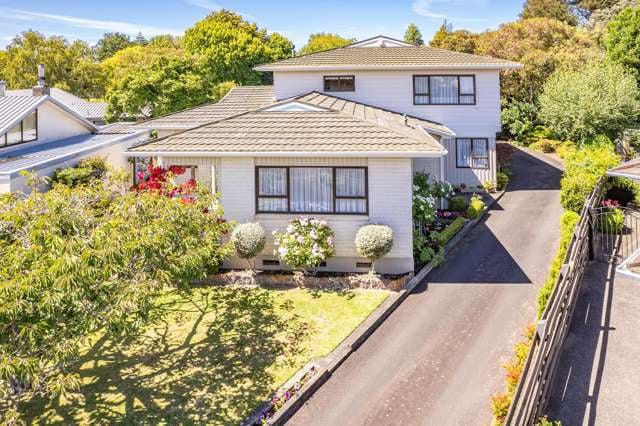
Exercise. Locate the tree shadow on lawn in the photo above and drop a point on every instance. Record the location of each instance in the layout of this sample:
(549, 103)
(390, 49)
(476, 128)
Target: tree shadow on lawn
(208, 358)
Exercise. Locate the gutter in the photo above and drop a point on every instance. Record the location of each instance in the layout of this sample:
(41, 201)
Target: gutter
(387, 67)
(391, 154)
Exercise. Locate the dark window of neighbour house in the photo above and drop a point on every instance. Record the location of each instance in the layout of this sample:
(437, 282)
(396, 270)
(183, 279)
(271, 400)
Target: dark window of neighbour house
(444, 90)
(339, 83)
(330, 190)
(25, 131)
(472, 153)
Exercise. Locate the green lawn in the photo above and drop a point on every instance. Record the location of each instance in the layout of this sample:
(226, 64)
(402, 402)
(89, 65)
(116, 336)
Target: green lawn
(210, 356)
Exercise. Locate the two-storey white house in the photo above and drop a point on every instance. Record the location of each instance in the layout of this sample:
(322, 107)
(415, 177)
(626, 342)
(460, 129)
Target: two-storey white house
(339, 135)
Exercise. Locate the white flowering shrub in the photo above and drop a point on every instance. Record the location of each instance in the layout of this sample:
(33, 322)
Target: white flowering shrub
(426, 195)
(248, 240)
(374, 241)
(306, 243)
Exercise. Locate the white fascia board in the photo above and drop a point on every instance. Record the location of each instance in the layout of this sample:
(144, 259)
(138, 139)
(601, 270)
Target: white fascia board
(624, 175)
(390, 154)
(450, 133)
(386, 67)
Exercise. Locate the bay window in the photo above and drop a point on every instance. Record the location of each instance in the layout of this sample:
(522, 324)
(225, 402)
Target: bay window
(472, 153)
(330, 190)
(444, 90)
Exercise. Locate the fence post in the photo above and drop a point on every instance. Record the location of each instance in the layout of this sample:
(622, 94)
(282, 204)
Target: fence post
(590, 233)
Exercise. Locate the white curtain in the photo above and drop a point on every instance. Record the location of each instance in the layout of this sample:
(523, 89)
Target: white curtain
(444, 90)
(311, 189)
(463, 152)
(272, 181)
(480, 154)
(350, 183)
(421, 90)
(467, 90)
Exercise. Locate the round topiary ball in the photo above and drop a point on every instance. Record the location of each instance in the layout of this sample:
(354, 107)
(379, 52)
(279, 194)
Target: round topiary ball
(248, 239)
(374, 241)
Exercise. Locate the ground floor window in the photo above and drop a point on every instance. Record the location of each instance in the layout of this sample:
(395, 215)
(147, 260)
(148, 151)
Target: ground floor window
(330, 190)
(472, 153)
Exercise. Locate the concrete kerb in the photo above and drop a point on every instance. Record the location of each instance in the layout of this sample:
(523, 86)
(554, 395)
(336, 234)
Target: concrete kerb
(327, 365)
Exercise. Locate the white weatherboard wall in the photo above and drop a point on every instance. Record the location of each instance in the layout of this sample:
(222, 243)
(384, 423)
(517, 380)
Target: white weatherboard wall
(389, 204)
(471, 177)
(393, 89)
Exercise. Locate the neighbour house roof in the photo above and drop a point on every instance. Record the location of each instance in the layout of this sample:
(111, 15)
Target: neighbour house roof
(89, 110)
(31, 156)
(303, 132)
(15, 108)
(407, 57)
(240, 99)
(629, 169)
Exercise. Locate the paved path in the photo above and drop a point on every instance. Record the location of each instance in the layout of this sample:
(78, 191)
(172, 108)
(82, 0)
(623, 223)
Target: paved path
(436, 359)
(598, 381)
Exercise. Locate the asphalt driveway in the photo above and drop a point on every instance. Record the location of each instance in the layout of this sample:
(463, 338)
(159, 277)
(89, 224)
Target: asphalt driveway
(437, 358)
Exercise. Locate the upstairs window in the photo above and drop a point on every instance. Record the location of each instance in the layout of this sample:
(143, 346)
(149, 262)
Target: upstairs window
(339, 83)
(472, 153)
(25, 131)
(330, 190)
(444, 90)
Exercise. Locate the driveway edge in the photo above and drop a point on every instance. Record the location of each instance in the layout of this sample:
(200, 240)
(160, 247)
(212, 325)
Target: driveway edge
(327, 365)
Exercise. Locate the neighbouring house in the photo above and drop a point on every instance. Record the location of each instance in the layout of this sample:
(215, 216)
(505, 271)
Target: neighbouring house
(339, 135)
(39, 133)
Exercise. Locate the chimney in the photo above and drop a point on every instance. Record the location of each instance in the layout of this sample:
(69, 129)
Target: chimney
(41, 89)
(3, 88)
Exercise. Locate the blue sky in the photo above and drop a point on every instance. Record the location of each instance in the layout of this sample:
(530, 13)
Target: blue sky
(88, 20)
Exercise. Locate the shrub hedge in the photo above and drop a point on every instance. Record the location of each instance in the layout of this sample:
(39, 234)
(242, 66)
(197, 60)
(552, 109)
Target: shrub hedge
(450, 231)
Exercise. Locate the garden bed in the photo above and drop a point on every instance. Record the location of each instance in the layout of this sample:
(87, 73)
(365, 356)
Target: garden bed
(298, 279)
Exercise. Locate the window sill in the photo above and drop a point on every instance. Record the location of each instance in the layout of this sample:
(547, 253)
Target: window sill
(327, 216)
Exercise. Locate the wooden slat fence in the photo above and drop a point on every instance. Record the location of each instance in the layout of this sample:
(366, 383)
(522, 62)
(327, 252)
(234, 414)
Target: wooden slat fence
(532, 392)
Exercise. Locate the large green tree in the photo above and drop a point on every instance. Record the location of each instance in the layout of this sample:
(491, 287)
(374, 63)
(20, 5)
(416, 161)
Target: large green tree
(459, 40)
(165, 85)
(110, 43)
(622, 40)
(3, 64)
(230, 47)
(75, 262)
(597, 99)
(554, 9)
(543, 46)
(412, 35)
(324, 41)
(69, 66)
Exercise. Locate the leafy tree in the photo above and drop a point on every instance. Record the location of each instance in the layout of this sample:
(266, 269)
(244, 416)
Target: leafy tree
(458, 41)
(77, 261)
(554, 9)
(140, 40)
(543, 46)
(443, 31)
(110, 43)
(412, 35)
(3, 64)
(68, 66)
(324, 41)
(230, 47)
(622, 41)
(167, 84)
(221, 89)
(599, 18)
(599, 99)
(166, 40)
(586, 7)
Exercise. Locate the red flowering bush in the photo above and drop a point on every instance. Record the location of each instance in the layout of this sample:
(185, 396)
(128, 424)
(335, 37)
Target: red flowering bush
(158, 179)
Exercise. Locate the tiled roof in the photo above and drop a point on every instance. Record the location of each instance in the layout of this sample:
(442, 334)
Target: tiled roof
(374, 114)
(240, 99)
(15, 108)
(32, 155)
(387, 57)
(292, 132)
(118, 129)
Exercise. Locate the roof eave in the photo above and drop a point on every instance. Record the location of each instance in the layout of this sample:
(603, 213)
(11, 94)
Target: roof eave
(383, 67)
(389, 154)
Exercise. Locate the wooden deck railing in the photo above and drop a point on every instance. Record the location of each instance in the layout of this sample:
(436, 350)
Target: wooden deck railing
(532, 393)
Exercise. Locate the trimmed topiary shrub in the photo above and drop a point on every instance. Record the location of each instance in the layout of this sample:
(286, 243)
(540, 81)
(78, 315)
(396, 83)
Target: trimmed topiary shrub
(458, 204)
(374, 242)
(307, 243)
(248, 240)
(476, 207)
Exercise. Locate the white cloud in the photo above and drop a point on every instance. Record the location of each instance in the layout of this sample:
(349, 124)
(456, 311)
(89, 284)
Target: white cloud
(425, 8)
(205, 4)
(72, 21)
